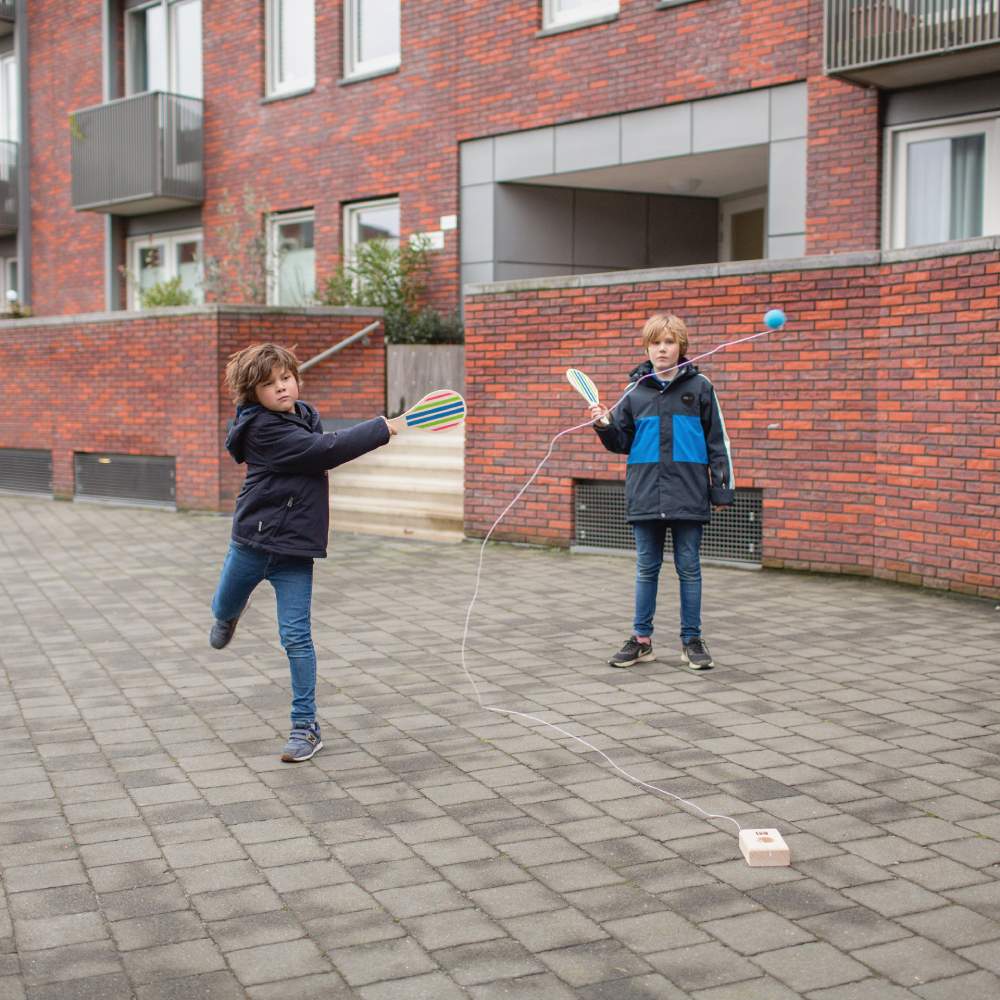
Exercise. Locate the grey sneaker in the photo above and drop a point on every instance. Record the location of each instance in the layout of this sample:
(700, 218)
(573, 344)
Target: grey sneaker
(303, 742)
(222, 632)
(696, 655)
(632, 652)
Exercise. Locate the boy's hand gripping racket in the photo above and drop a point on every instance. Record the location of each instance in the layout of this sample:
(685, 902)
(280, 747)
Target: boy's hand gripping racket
(440, 410)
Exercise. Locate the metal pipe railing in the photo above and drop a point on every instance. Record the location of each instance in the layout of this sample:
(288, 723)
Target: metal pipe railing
(862, 33)
(346, 342)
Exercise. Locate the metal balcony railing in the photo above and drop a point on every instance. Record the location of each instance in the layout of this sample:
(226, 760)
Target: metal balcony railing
(8, 187)
(8, 9)
(138, 154)
(872, 40)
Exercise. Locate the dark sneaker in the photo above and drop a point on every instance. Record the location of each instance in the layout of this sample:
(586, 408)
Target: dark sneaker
(696, 655)
(221, 633)
(632, 652)
(303, 741)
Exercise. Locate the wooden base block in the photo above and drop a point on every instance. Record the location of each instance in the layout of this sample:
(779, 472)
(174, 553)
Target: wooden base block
(764, 848)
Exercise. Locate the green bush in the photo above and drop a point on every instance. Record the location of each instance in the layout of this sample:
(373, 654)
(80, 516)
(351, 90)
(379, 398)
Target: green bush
(395, 280)
(166, 293)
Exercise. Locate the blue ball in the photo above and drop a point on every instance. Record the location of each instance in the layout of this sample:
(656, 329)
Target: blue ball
(774, 319)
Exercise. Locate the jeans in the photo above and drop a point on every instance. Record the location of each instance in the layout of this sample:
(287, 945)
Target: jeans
(291, 577)
(649, 539)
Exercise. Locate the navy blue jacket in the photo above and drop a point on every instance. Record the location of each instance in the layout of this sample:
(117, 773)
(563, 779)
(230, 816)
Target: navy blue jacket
(284, 506)
(673, 434)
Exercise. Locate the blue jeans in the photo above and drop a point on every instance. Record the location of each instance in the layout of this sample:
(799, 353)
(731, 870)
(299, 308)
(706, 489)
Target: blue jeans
(649, 540)
(291, 577)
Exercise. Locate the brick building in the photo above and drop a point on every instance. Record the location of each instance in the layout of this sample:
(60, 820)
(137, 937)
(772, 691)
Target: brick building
(244, 149)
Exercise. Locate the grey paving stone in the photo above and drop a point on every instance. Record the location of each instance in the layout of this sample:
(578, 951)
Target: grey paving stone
(559, 929)
(596, 962)
(452, 928)
(753, 933)
(70, 962)
(147, 965)
(381, 961)
(649, 987)
(853, 928)
(701, 966)
(327, 985)
(487, 961)
(272, 962)
(541, 987)
(974, 986)
(357, 927)
(868, 989)
(808, 967)
(210, 986)
(433, 986)
(108, 987)
(912, 961)
(952, 926)
(892, 899)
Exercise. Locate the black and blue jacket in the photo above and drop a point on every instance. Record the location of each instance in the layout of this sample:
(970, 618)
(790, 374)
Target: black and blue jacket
(679, 464)
(284, 506)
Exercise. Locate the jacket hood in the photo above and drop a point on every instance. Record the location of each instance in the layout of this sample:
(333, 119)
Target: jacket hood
(246, 415)
(684, 370)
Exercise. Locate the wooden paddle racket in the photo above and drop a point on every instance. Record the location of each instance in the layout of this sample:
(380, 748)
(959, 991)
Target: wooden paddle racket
(440, 410)
(583, 385)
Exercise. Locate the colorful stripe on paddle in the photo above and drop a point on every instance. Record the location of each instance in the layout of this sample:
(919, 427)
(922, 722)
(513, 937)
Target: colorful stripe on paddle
(439, 410)
(583, 385)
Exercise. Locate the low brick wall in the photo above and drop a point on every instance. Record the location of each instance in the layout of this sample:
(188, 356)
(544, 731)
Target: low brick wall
(870, 423)
(151, 384)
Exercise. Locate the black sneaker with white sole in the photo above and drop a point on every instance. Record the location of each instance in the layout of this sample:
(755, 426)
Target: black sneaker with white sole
(632, 652)
(696, 655)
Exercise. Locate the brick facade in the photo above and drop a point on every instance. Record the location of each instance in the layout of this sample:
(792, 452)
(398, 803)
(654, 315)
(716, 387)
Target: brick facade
(152, 385)
(870, 423)
(469, 69)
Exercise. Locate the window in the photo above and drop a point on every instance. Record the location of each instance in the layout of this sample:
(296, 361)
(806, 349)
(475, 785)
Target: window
(370, 220)
(371, 36)
(944, 182)
(162, 257)
(8, 97)
(292, 253)
(163, 47)
(564, 12)
(291, 47)
(8, 278)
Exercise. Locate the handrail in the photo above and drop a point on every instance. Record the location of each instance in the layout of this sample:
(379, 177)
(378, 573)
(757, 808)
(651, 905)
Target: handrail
(330, 351)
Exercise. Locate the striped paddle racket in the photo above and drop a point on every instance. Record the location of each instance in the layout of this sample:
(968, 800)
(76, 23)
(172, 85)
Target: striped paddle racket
(583, 385)
(439, 410)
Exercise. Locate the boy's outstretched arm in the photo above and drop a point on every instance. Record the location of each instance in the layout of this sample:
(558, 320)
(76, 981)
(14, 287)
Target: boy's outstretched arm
(286, 447)
(720, 462)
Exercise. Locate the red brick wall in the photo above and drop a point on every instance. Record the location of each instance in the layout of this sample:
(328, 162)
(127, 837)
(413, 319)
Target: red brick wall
(870, 423)
(470, 68)
(152, 385)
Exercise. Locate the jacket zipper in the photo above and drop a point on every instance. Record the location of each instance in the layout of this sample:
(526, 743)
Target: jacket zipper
(284, 513)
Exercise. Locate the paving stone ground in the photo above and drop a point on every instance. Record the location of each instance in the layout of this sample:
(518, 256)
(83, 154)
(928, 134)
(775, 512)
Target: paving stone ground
(153, 846)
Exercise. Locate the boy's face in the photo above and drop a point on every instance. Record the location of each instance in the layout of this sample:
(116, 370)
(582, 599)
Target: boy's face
(278, 391)
(664, 352)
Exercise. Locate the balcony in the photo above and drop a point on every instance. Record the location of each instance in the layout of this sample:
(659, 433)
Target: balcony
(907, 43)
(8, 15)
(8, 187)
(138, 154)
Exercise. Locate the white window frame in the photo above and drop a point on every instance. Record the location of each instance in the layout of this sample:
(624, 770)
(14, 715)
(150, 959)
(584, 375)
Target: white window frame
(169, 239)
(275, 86)
(898, 137)
(553, 17)
(6, 265)
(351, 215)
(170, 54)
(274, 221)
(9, 99)
(353, 64)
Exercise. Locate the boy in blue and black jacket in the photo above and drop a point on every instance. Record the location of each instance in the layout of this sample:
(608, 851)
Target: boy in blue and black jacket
(679, 467)
(282, 517)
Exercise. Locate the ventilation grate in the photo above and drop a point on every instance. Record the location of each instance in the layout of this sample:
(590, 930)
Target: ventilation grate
(25, 470)
(147, 480)
(734, 534)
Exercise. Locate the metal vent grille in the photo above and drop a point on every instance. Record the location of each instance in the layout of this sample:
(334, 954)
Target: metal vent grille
(135, 479)
(26, 471)
(734, 534)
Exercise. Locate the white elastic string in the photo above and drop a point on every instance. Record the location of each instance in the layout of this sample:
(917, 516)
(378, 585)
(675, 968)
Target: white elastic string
(479, 570)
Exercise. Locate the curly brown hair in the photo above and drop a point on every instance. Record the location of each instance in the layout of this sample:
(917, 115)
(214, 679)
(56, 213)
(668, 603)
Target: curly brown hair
(246, 369)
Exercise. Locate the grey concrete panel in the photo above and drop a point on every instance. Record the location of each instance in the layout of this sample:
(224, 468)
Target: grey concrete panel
(943, 100)
(477, 273)
(534, 225)
(524, 154)
(787, 188)
(476, 159)
(609, 229)
(784, 247)
(727, 122)
(660, 132)
(593, 143)
(789, 112)
(509, 271)
(683, 231)
(477, 223)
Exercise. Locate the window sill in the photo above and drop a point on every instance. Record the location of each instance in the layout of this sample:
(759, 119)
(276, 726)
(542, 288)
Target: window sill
(287, 95)
(667, 4)
(370, 75)
(560, 29)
